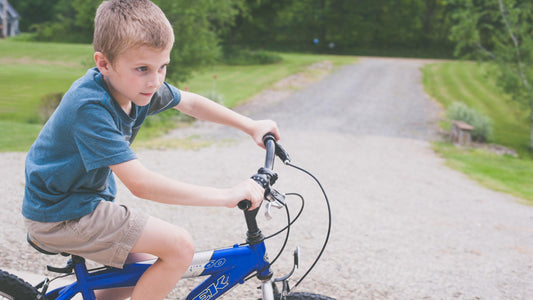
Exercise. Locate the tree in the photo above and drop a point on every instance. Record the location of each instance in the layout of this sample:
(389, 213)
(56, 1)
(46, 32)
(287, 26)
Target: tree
(197, 27)
(71, 21)
(349, 25)
(254, 24)
(499, 32)
(34, 11)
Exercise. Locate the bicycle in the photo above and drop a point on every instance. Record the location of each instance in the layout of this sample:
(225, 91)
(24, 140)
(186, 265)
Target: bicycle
(225, 268)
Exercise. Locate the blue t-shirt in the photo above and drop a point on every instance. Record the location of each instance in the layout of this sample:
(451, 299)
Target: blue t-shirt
(67, 168)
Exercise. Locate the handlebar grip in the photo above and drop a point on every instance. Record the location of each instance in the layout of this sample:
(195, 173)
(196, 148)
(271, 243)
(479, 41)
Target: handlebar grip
(244, 204)
(268, 136)
(262, 181)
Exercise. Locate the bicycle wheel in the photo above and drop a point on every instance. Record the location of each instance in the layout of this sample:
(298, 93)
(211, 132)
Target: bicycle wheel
(304, 296)
(14, 288)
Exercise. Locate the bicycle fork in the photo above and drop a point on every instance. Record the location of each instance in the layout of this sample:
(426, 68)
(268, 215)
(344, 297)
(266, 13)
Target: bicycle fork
(267, 288)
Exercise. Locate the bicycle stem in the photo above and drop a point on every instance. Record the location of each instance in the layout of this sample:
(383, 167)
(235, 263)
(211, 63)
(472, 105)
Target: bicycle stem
(254, 234)
(264, 177)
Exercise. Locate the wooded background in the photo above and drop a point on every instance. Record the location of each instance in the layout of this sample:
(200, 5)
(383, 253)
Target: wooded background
(339, 26)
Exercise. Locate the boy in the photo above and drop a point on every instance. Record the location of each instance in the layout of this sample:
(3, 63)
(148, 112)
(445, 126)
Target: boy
(68, 202)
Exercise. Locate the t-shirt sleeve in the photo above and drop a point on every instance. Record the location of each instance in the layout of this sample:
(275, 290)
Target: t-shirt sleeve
(99, 141)
(166, 97)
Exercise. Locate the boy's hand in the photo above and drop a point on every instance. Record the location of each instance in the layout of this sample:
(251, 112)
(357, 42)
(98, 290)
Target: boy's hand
(262, 127)
(246, 190)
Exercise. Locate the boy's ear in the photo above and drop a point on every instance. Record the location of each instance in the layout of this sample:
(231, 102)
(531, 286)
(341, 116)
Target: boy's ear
(102, 63)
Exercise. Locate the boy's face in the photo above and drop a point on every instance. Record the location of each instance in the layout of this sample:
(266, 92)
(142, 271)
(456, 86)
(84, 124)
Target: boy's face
(135, 75)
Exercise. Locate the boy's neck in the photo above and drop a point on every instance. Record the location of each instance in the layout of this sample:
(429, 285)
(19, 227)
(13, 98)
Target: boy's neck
(126, 107)
(125, 104)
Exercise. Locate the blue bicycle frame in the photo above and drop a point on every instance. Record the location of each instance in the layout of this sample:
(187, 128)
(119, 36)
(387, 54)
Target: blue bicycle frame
(225, 268)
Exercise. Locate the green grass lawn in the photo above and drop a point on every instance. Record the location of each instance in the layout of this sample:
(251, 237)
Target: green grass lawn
(27, 83)
(468, 82)
(17, 136)
(55, 53)
(29, 71)
(239, 83)
(501, 173)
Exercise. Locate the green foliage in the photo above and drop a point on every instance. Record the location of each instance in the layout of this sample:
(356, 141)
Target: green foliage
(353, 26)
(343, 26)
(197, 25)
(73, 21)
(49, 103)
(34, 11)
(244, 56)
(499, 31)
(411, 28)
(474, 85)
(482, 124)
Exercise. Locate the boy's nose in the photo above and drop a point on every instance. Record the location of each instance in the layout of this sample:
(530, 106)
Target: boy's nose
(155, 80)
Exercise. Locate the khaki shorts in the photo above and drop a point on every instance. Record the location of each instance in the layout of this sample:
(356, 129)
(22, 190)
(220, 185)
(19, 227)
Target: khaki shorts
(105, 236)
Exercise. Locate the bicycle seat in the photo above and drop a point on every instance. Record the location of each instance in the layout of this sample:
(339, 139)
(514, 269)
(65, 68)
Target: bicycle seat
(36, 246)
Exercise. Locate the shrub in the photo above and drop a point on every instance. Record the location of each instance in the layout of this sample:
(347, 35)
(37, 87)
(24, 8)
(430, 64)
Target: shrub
(482, 124)
(49, 103)
(237, 56)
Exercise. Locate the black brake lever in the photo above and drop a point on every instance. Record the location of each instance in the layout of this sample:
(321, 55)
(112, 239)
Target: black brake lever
(282, 154)
(279, 151)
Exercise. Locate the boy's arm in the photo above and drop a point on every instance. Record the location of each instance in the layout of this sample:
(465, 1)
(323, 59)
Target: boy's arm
(146, 184)
(202, 108)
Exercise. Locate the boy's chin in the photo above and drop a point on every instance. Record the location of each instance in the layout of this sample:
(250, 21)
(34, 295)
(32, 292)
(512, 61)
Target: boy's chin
(143, 101)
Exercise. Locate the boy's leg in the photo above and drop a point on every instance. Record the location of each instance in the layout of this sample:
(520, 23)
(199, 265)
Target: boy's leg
(174, 248)
(123, 293)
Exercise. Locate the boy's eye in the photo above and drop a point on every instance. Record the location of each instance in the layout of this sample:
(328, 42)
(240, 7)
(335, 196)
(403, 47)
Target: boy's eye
(142, 69)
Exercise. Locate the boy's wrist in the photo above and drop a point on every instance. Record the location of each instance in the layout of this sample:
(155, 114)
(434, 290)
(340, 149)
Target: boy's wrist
(249, 126)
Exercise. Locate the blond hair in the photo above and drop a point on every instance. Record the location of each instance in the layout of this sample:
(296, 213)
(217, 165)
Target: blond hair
(123, 24)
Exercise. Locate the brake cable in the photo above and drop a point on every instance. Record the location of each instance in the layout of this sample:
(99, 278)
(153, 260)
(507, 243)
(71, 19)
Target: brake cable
(329, 219)
(283, 155)
(289, 222)
(295, 218)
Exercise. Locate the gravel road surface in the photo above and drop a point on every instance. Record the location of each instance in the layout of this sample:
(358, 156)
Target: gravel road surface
(405, 226)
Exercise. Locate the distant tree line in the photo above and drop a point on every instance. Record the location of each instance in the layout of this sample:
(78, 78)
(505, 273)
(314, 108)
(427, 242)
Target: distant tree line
(336, 25)
(344, 26)
(204, 28)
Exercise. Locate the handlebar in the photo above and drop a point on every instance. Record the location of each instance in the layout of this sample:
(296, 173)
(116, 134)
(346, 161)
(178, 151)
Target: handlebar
(265, 176)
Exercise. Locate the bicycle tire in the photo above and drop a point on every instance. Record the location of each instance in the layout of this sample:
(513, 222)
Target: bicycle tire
(307, 296)
(303, 296)
(14, 288)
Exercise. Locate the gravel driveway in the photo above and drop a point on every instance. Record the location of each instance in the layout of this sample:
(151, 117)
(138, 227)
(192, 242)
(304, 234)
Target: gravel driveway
(405, 226)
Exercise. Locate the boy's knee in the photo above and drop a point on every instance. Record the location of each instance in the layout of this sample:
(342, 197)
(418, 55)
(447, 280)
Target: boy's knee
(182, 246)
(187, 246)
